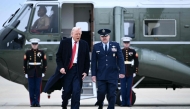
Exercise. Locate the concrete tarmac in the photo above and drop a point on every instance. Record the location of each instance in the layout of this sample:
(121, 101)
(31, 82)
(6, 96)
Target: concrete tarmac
(15, 96)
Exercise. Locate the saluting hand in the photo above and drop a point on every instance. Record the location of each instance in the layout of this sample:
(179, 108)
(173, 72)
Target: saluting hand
(84, 75)
(62, 70)
(94, 78)
(121, 75)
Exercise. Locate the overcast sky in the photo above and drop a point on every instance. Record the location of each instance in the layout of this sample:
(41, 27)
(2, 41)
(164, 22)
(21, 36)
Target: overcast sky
(8, 7)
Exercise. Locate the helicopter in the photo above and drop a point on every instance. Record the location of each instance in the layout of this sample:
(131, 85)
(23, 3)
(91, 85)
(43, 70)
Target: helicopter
(160, 33)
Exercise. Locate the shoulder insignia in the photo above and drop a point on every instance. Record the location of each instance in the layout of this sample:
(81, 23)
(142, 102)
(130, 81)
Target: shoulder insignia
(27, 51)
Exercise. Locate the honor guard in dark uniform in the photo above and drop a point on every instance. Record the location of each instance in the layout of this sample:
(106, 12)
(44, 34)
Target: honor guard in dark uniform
(131, 68)
(107, 66)
(35, 65)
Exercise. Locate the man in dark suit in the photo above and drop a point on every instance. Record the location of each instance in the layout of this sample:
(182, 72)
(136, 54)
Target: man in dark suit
(107, 67)
(73, 62)
(35, 65)
(131, 66)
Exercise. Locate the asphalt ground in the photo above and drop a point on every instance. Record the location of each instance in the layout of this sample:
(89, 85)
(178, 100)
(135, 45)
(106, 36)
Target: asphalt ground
(15, 96)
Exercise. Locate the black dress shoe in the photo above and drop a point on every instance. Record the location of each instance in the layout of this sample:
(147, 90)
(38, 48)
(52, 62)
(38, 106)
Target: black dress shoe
(123, 105)
(37, 105)
(32, 106)
(64, 107)
(100, 107)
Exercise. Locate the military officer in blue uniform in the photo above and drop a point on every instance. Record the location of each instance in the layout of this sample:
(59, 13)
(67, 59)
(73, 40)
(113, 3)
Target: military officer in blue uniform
(35, 65)
(131, 68)
(107, 65)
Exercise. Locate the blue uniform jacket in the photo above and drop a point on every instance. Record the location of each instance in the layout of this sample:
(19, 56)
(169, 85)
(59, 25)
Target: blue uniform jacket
(107, 66)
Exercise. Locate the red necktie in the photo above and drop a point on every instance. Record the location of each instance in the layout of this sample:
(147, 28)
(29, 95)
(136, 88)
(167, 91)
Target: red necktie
(73, 55)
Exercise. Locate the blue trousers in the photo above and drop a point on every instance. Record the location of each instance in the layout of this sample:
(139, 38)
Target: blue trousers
(126, 91)
(107, 87)
(34, 86)
(71, 85)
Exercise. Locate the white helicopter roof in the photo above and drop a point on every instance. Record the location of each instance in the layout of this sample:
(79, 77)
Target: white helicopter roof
(125, 3)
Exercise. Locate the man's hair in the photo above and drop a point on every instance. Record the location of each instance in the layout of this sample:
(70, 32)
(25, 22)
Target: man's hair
(75, 29)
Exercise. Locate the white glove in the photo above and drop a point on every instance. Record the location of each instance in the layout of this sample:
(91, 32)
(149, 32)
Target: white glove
(43, 74)
(26, 75)
(134, 74)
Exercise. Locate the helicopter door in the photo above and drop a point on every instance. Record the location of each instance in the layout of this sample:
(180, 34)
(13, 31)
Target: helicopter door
(83, 18)
(81, 15)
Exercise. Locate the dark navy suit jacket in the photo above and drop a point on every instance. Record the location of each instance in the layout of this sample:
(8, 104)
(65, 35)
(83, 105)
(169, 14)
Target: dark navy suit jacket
(107, 66)
(63, 57)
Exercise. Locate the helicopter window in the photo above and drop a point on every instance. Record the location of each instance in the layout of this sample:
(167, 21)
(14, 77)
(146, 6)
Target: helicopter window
(160, 28)
(14, 16)
(12, 37)
(24, 18)
(129, 29)
(45, 19)
(10, 18)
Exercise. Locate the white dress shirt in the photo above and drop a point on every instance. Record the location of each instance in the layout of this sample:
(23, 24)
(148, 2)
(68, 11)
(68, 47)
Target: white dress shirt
(104, 45)
(76, 54)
